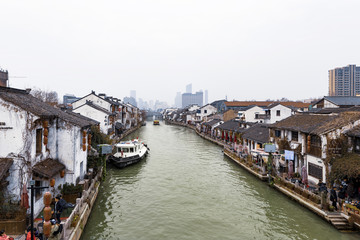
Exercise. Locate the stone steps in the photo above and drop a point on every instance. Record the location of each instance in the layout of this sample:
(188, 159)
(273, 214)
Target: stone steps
(339, 222)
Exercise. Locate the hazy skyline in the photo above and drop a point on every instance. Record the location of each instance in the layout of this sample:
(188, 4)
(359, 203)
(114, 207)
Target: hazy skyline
(254, 49)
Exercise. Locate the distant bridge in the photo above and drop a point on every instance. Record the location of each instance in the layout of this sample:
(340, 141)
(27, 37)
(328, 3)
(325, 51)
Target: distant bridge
(151, 114)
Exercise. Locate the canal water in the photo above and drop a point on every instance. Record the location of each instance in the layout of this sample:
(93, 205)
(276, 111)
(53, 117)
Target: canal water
(187, 189)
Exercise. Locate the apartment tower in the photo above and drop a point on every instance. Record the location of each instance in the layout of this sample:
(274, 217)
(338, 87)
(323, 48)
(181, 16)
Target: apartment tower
(344, 81)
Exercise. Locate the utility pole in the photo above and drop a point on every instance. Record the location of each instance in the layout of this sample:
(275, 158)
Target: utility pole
(32, 188)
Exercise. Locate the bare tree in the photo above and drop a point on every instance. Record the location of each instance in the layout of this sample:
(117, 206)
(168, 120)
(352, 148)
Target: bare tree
(50, 97)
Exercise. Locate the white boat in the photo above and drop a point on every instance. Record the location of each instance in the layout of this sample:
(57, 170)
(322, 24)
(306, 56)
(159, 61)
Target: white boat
(129, 152)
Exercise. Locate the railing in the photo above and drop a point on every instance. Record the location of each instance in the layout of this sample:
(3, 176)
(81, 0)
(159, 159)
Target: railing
(87, 197)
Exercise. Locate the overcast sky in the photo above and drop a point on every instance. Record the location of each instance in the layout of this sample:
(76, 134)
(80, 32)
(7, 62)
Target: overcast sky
(254, 49)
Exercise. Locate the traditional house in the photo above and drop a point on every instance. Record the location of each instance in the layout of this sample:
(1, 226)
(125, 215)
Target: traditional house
(208, 127)
(205, 111)
(255, 137)
(99, 114)
(308, 138)
(42, 142)
(337, 102)
(252, 114)
(226, 131)
(109, 111)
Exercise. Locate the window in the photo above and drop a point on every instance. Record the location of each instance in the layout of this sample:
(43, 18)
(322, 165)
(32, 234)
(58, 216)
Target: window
(278, 113)
(131, 150)
(315, 146)
(38, 192)
(205, 111)
(256, 115)
(277, 133)
(38, 141)
(125, 150)
(294, 136)
(315, 171)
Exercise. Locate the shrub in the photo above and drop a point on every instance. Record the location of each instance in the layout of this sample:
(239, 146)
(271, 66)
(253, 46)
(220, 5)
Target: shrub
(71, 189)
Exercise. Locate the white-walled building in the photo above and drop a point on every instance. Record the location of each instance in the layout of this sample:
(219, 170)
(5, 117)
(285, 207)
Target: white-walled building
(307, 136)
(205, 111)
(99, 114)
(41, 141)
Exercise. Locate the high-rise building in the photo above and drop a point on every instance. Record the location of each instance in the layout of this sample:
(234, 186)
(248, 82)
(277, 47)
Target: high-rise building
(69, 99)
(133, 94)
(190, 99)
(130, 100)
(4, 77)
(178, 100)
(206, 97)
(189, 88)
(344, 81)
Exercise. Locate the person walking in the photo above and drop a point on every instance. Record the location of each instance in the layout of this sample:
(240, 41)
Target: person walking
(333, 198)
(341, 196)
(58, 208)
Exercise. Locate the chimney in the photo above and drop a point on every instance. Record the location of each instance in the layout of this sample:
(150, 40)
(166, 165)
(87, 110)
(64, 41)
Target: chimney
(4, 77)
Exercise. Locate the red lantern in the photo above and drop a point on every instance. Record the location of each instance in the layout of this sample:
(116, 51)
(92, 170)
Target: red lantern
(84, 133)
(47, 213)
(89, 147)
(62, 173)
(84, 140)
(84, 147)
(46, 132)
(45, 140)
(47, 228)
(45, 123)
(52, 182)
(47, 199)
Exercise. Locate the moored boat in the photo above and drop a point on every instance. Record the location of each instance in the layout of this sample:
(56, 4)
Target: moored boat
(129, 152)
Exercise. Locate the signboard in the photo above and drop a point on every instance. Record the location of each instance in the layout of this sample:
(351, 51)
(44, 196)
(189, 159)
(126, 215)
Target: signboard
(105, 149)
(269, 148)
(289, 155)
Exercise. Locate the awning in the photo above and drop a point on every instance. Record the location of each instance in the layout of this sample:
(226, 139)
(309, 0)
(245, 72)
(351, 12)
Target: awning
(48, 168)
(5, 164)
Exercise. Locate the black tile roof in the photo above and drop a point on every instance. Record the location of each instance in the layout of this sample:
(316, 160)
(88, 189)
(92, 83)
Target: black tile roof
(27, 102)
(317, 123)
(231, 125)
(258, 132)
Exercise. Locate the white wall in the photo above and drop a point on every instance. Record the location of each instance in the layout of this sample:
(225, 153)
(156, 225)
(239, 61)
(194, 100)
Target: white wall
(19, 143)
(209, 110)
(250, 114)
(95, 114)
(95, 100)
(316, 161)
(285, 112)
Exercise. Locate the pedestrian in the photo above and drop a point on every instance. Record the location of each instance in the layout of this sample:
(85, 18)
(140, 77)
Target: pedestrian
(341, 196)
(58, 208)
(28, 234)
(333, 198)
(55, 227)
(3, 236)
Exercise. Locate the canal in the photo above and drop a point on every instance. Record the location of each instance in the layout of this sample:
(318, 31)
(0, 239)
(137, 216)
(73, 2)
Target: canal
(187, 189)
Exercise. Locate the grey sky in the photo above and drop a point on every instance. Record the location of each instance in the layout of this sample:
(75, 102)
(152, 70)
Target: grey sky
(255, 49)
